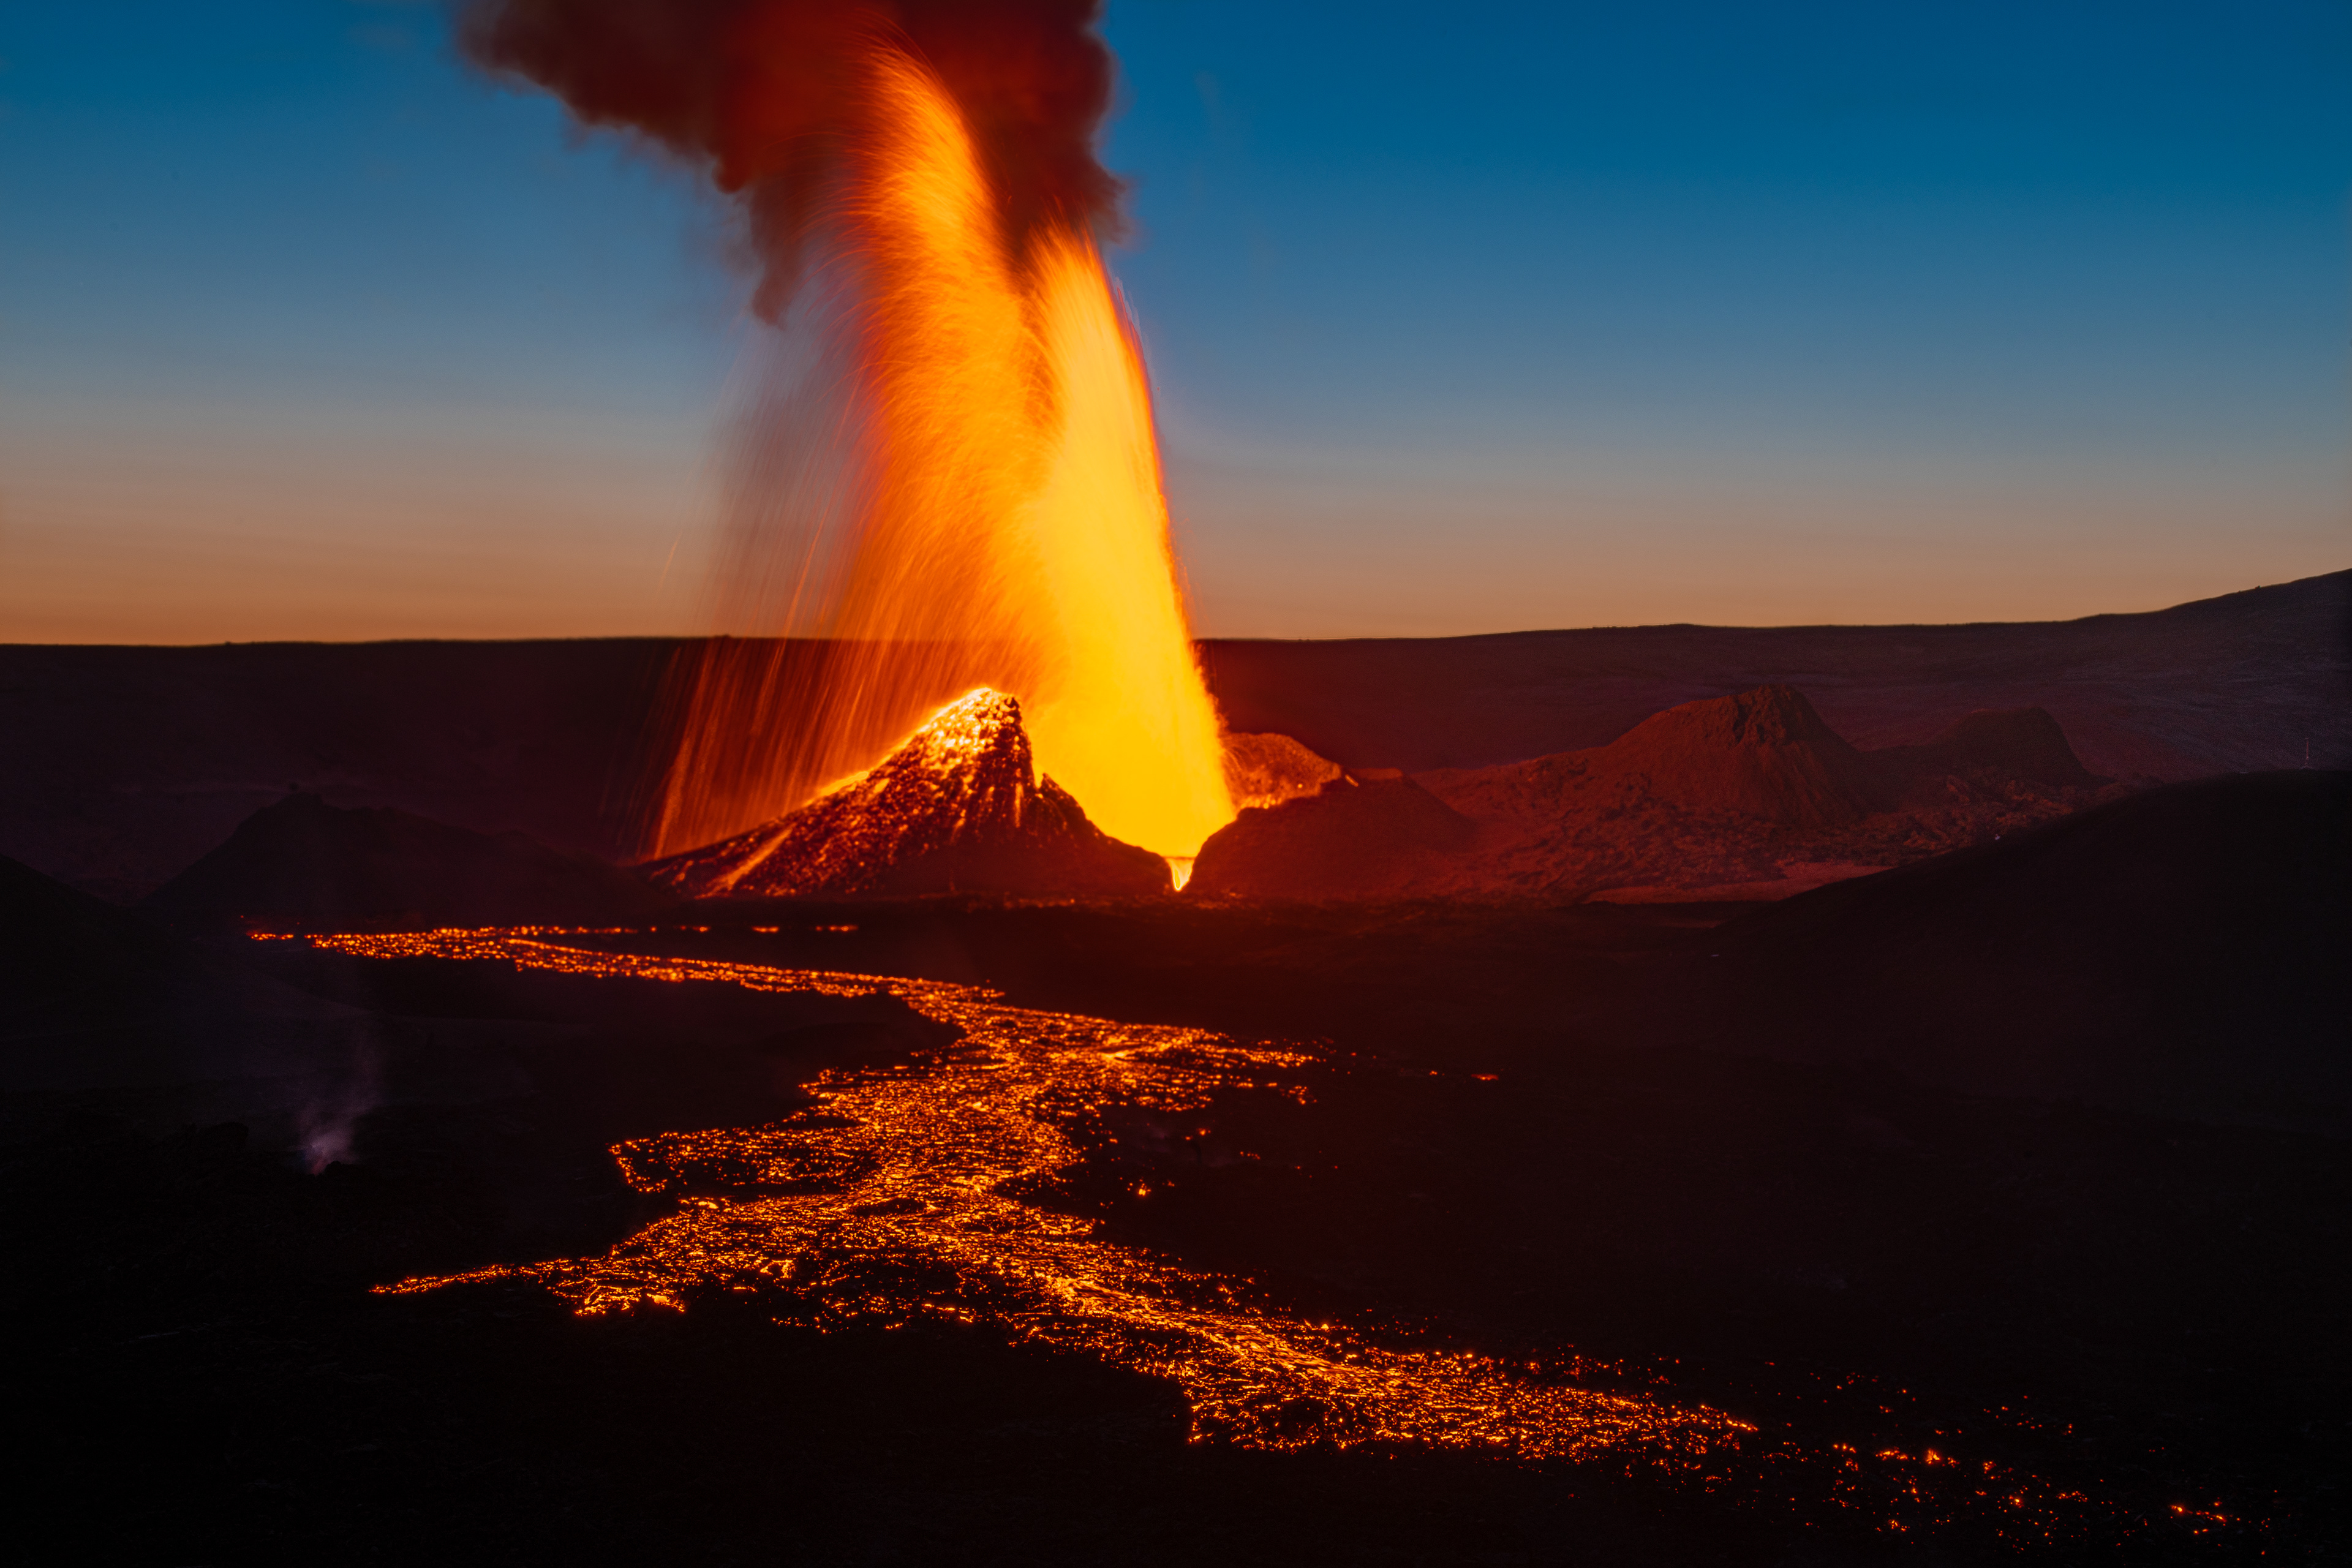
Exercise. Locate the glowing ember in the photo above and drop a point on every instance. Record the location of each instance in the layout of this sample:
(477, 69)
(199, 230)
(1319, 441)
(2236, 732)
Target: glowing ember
(1009, 528)
(889, 1200)
(893, 1200)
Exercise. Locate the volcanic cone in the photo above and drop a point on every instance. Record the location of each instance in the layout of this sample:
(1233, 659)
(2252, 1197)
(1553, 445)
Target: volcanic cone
(958, 807)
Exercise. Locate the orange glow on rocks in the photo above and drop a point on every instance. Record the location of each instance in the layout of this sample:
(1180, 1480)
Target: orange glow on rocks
(958, 806)
(1009, 527)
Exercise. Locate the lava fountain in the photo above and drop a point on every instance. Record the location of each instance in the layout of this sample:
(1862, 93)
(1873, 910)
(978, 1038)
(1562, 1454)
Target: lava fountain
(1013, 533)
(983, 411)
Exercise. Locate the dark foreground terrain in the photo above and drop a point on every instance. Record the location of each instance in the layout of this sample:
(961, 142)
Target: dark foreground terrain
(1995, 1206)
(2020, 1174)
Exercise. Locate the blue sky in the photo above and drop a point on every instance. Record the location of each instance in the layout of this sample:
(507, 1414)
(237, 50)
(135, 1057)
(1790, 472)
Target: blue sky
(1546, 316)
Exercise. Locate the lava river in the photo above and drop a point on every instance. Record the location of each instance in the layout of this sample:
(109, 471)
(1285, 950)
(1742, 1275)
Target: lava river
(888, 1199)
(895, 1197)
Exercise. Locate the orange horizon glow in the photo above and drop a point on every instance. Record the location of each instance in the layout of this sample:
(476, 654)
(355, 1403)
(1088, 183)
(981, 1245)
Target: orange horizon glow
(144, 524)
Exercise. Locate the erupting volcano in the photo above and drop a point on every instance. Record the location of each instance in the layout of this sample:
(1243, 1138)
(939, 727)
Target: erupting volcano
(958, 807)
(921, 183)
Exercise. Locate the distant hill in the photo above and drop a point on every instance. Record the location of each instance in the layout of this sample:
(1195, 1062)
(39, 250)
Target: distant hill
(96, 996)
(304, 863)
(2226, 685)
(2019, 743)
(67, 957)
(1742, 797)
(125, 764)
(1357, 838)
(2181, 951)
(1763, 754)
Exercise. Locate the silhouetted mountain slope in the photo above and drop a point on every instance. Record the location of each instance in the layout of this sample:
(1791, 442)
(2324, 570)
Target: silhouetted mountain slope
(94, 996)
(73, 968)
(304, 862)
(65, 955)
(2180, 950)
(2023, 744)
(2242, 681)
(129, 762)
(1353, 837)
(958, 807)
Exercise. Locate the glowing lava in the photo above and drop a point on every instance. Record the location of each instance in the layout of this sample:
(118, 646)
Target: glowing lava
(894, 1198)
(1009, 528)
(907, 1194)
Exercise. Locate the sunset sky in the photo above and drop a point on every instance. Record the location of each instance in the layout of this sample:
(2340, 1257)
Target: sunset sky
(1459, 320)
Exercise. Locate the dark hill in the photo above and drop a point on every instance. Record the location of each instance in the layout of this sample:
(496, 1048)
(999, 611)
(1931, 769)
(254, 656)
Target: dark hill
(1750, 796)
(77, 974)
(126, 763)
(65, 955)
(95, 997)
(2023, 744)
(303, 862)
(2180, 950)
(1353, 837)
(2240, 682)
(1763, 754)
(958, 807)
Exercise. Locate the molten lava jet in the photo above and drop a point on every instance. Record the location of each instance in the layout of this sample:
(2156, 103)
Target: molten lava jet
(921, 180)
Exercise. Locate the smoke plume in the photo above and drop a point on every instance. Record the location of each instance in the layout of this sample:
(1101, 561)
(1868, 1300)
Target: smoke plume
(768, 97)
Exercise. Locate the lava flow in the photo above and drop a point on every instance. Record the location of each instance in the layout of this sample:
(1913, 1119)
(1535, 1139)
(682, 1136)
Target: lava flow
(897, 1197)
(892, 1199)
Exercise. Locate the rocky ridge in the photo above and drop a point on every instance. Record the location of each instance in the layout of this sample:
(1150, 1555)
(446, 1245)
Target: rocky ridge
(1741, 797)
